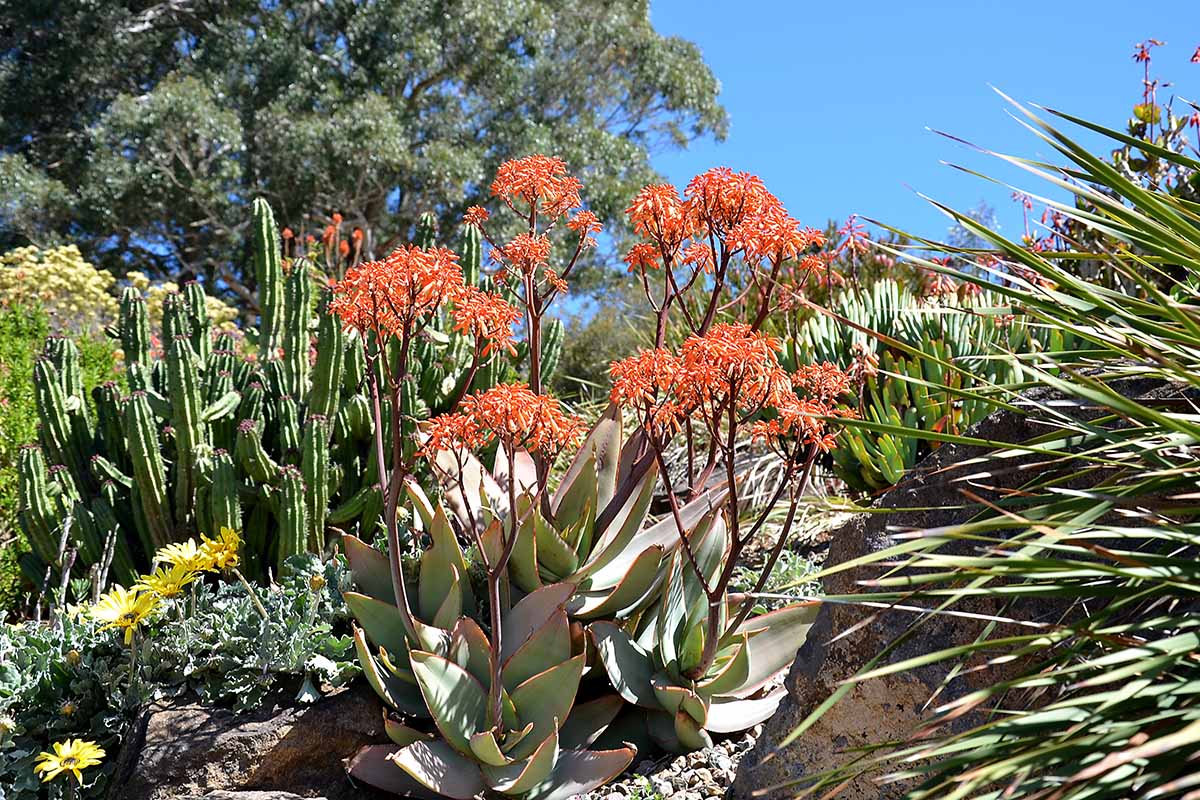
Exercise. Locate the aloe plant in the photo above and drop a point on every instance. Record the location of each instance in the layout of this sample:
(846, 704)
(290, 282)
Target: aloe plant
(652, 660)
(536, 749)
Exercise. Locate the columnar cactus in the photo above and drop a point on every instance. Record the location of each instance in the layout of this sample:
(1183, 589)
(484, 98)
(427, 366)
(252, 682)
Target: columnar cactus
(206, 437)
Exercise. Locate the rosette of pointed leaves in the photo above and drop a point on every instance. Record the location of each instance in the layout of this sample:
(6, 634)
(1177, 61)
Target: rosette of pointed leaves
(536, 750)
(651, 660)
(594, 537)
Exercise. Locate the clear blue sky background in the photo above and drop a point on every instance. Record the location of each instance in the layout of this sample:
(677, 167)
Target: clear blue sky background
(830, 102)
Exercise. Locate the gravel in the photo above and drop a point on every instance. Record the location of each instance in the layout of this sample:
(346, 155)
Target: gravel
(702, 775)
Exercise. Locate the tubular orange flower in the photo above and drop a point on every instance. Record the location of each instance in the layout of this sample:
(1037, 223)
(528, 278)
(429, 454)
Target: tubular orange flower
(390, 295)
(647, 382)
(527, 252)
(700, 256)
(658, 213)
(486, 316)
(508, 412)
(732, 363)
(476, 216)
(721, 198)
(537, 179)
(642, 256)
(801, 420)
(824, 381)
(585, 222)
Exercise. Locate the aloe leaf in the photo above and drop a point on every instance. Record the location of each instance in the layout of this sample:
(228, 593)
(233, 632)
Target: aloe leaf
(370, 569)
(421, 503)
(452, 605)
(592, 474)
(544, 699)
(400, 733)
(628, 665)
(673, 698)
(381, 621)
(523, 563)
(554, 555)
(774, 640)
(396, 693)
(466, 490)
(526, 470)
(456, 700)
(470, 649)
(729, 716)
(485, 747)
(693, 647)
(596, 600)
(521, 776)
(580, 771)
(373, 765)
(549, 645)
(732, 675)
(441, 565)
(437, 766)
(530, 614)
(613, 544)
(588, 720)
(676, 733)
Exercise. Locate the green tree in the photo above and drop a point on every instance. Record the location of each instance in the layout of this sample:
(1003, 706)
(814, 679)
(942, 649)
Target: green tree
(141, 128)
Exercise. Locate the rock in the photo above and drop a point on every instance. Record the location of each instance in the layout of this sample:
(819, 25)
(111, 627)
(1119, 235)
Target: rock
(887, 708)
(281, 751)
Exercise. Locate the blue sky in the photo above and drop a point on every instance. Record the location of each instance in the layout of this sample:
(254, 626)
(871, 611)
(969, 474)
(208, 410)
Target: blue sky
(830, 102)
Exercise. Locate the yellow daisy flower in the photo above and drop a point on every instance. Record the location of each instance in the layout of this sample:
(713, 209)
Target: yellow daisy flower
(166, 582)
(72, 756)
(223, 550)
(187, 555)
(124, 608)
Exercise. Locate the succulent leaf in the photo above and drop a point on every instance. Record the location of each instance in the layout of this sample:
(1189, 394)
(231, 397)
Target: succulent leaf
(456, 700)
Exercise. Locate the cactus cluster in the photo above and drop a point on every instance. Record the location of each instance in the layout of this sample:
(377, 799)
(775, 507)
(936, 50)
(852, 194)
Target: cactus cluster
(275, 444)
(923, 376)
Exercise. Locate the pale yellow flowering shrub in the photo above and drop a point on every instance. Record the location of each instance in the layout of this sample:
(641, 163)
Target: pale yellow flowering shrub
(58, 279)
(223, 316)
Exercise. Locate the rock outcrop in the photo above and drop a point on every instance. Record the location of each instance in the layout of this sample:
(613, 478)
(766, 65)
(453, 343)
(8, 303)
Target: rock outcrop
(281, 751)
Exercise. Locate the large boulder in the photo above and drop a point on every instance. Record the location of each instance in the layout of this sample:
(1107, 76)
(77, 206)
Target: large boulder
(846, 637)
(280, 751)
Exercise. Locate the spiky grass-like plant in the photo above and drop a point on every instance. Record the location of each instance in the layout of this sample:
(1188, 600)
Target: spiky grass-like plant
(1104, 700)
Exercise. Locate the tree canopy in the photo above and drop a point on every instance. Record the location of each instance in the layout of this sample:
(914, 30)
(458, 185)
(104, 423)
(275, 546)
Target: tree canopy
(142, 129)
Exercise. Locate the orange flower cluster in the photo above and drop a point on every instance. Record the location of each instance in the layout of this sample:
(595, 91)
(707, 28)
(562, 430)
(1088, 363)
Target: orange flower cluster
(647, 382)
(397, 293)
(541, 182)
(486, 316)
(508, 412)
(733, 208)
(733, 363)
(642, 257)
(800, 419)
(730, 366)
(527, 252)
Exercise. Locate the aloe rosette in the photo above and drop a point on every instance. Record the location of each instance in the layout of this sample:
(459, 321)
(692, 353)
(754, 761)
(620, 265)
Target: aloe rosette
(653, 661)
(535, 750)
(596, 536)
